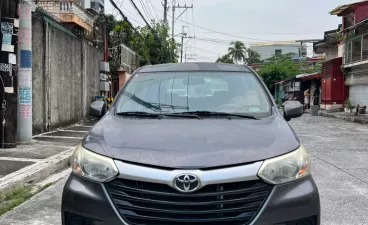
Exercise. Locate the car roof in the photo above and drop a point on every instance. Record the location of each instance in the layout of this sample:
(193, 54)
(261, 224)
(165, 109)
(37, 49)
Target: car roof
(193, 66)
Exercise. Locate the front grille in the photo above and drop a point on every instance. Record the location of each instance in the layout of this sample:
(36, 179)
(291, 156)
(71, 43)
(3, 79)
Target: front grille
(144, 203)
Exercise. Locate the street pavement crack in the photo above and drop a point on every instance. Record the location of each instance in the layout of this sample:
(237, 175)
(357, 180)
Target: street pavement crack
(366, 183)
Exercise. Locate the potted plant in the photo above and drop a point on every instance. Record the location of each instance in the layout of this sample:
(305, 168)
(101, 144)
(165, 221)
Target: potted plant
(348, 106)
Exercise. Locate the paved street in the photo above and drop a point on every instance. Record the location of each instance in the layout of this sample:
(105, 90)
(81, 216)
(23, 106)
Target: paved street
(340, 153)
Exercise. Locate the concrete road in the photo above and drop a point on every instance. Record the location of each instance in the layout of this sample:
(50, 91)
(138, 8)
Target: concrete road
(340, 154)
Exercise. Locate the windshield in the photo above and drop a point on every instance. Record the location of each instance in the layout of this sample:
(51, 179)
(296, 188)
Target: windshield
(175, 92)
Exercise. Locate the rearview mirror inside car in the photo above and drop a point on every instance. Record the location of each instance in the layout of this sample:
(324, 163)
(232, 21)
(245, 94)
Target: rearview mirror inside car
(292, 109)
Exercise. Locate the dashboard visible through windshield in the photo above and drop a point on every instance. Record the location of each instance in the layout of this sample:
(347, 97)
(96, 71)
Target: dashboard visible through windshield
(177, 92)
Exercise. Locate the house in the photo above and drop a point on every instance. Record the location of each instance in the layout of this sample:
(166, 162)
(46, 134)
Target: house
(78, 15)
(331, 86)
(354, 43)
(269, 49)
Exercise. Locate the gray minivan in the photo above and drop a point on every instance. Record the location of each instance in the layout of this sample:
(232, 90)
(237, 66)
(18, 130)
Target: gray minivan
(192, 143)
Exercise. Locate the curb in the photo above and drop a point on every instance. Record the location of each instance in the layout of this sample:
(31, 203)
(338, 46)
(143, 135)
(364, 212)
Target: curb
(346, 118)
(37, 171)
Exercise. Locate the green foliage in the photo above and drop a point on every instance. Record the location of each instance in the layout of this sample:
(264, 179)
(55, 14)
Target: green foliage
(16, 197)
(237, 51)
(253, 57)
(279, 69)
(348, 104)
(144, 42)
(225, 59)
(154, 51)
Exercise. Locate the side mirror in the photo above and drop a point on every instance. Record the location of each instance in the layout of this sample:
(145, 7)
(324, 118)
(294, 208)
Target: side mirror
(97, 109)
(292, 109)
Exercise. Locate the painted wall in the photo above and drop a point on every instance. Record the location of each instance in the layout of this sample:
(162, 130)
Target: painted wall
(267, 51)
(361, 13)
(332, 53)
(65, 77)
(358, 94)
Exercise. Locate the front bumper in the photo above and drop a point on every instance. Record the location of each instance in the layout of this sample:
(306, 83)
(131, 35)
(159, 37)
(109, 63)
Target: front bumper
(87, 202)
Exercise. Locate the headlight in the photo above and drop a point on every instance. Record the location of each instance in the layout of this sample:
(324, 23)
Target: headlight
(287, 167)
(93, 166)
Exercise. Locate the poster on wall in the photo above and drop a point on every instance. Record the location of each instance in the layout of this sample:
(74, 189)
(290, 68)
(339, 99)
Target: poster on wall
(7, 48)
(6, 28)
(12, 59)
(25, 95)
(26, 111)
(16, 23)
(5, 67)
(7, 39)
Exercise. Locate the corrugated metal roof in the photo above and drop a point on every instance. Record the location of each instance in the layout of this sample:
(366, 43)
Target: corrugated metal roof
(340, 9)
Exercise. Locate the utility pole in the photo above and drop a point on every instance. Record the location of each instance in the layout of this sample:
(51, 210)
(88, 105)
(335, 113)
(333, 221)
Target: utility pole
(165, 13)
(185, 7)
(24, 118)
(182, 43)
(183, 35)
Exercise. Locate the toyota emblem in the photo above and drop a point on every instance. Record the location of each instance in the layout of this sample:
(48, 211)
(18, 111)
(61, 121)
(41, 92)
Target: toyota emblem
(187, 183)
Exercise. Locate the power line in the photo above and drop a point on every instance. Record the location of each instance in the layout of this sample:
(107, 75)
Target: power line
(157, 16)
(145, 10)
(124, 17)
(207, 51)
(219, 32)
(148, 25)
(208, 32)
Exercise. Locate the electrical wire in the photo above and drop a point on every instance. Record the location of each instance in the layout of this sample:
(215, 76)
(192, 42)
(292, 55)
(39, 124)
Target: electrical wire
(125, 18)
(154, 10)
(148, 25)
(223, 33)
(145, 10)
(207, 51)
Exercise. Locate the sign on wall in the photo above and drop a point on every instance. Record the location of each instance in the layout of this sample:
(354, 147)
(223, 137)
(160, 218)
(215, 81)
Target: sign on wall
(5, 67)
(7, 28)
(7, 39)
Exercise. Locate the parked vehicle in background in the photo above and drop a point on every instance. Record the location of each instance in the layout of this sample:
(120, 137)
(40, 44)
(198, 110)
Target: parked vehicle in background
(220, 153)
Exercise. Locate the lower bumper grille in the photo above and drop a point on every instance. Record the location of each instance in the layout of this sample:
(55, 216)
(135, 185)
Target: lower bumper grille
(144, 203)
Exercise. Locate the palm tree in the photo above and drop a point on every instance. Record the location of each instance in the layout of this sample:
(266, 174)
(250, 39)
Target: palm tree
(225, 59)
(237, 51)
(253, 57)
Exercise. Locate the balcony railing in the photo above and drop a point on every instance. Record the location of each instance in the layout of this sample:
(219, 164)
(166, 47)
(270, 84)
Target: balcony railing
(356, 49)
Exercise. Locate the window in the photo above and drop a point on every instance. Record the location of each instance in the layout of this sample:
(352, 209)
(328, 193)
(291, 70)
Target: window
(170, 92)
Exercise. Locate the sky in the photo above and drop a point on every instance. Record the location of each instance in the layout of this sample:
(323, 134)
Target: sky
(245, 20)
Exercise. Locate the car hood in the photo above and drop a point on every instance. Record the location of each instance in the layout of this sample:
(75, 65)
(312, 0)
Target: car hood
(191, 143)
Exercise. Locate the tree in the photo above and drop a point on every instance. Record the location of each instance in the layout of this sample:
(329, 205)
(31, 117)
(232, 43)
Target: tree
(225, 59)
(155, 48)
(237, 51)
(253, 57)
(278, 69)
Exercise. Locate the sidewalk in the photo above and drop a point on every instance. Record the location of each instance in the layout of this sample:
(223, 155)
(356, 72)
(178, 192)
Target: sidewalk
(46, 154)
(360, 118)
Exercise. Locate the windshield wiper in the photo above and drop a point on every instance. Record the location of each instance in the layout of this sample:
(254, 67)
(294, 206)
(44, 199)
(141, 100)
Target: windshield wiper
(209, 113)
(138, 113)
(159, 115)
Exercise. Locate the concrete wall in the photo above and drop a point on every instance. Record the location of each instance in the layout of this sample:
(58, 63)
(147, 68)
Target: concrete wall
(331, 53)
(267, 51)
(358, 94)
(65, 77)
